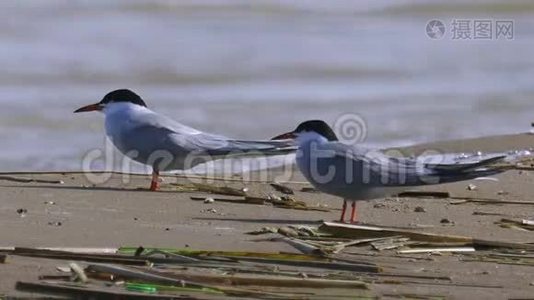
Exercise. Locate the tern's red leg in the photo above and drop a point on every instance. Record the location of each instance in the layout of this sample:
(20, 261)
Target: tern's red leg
(342, 218)
(154, 185)
(353, 213)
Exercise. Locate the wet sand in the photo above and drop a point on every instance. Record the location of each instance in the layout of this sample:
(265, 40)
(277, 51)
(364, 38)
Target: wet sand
(78, 214)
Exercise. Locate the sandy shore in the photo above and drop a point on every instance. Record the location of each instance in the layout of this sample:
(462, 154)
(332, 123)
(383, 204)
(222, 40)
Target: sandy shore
(78, 214)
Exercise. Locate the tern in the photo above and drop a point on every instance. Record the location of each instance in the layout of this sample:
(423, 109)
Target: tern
(359, 173)
(164, 144)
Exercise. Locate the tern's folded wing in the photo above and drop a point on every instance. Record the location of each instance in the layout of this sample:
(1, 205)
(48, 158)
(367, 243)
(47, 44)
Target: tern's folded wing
(220, 146)
(464, 166)
(367, 166)
(152, 119)
(385, 170)
(156, 132)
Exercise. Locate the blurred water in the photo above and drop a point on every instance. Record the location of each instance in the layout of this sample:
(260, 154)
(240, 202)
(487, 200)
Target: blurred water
(253, 70)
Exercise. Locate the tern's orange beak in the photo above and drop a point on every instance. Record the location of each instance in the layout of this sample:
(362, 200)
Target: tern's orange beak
(286, 136)
(90, 107)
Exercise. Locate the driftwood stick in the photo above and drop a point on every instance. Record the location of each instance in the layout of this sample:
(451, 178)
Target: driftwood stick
(315, 264)
(277, 281)
(86, 292)
(187, 176)
(109, 258)
(361, 231)
(28, 180)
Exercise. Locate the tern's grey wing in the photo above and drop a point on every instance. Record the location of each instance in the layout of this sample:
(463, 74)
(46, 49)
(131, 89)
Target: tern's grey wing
(464, 169)
(148, 132)
(379, 169)
(195, 140)
(148, 143)
(151, 137)
(159, 121)
(354, 166)
(217, 146)
(464, 166)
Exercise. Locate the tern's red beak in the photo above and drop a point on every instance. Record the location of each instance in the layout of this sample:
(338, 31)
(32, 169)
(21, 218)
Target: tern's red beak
(286, 136)
(90, 107)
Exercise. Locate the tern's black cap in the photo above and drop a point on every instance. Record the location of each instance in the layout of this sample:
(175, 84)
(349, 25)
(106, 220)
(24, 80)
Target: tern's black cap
(123, 95)
(318, 126)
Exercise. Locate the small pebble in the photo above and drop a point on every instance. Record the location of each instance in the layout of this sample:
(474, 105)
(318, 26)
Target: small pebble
(167, 229)
(55, 223)
(209, 200)
(22, 212)
(379, 205)
(445, 221)
(268, 230)
(63, 269)
(49, 202)
(308, 190)
(471, 187)
(282, 189)
(274, 197)
(287, 199)
(244, 190)
(419, 209)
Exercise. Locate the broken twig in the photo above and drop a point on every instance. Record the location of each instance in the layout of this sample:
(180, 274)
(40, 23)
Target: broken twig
(28, 180)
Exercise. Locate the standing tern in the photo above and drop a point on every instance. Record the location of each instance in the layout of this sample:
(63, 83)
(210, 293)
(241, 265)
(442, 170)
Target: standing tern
(165, 144)
(358, 173)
